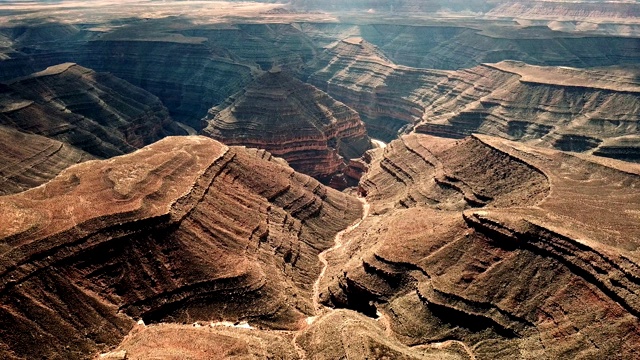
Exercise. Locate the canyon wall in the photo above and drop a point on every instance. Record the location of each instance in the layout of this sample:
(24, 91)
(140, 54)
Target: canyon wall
(316, 134)
(570, 109)
(183, 230)
(95, 112)
(495, 248)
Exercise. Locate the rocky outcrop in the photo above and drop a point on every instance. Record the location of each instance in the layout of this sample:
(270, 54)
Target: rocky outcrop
(96, 112)
(454, 46)
(183, 230)
(187, 85)
(387, 96)
(316, 134)
(30, 160)
(503, 250)
(565, 108)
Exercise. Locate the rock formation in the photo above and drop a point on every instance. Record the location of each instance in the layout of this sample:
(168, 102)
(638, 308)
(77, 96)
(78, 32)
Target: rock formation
(96, 112)
(183, 230)
(29, 160)
(570, 109)
(495, 248)
(316, 134)
(387, 96)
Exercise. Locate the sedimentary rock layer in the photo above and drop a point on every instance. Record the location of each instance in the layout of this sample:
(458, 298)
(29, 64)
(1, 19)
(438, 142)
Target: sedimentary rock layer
(452, 46)
(565, 108)
(96, 112)
(29, 160)
(183, 230)
(316, 134)
(387, 96)
(502, 250)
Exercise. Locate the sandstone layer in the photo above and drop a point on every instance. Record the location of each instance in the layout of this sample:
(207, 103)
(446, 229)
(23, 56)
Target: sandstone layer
(96, 112)
(183, 230)
(594, 111)
(316, 134)
(29, 160)
(496, 249)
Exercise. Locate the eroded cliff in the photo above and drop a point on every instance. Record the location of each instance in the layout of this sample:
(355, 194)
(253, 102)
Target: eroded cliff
(95, 112)
(316, 134)
(185, 229)
(496, 248)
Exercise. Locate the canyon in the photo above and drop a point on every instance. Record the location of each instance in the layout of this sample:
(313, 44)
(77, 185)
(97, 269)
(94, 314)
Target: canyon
(319, 180)
(292, 120)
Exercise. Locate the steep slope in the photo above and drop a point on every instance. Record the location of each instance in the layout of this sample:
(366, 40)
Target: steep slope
(570, 109)
(564, 108)
(96, 112)
(183, 230)
(504, 250)
(30, 160)
(387, 96)
(316, 134)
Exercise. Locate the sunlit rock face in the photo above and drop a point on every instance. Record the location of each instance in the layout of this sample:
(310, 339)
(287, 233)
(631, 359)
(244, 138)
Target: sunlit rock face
(316, 134)
(185, 229)
(495, 248)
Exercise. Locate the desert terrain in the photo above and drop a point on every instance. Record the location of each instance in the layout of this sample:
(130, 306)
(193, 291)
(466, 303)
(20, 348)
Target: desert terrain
(319, 179)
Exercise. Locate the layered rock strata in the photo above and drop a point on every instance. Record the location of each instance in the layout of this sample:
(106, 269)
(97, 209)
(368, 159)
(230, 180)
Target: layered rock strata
(316, 134)
(594, 111)
(387, 96)
(96, 112)
(183, 230)
(497, 249)
(591, 111)
(29, 160)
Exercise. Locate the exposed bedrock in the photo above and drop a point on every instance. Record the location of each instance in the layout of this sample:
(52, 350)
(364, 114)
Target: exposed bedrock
(545, 265)
(95, 112)
(191, 68)
(387, 96)
(187, 76)
(456, 47)
(565, 108)
(183, 230)
(316, 134)
(29, 160)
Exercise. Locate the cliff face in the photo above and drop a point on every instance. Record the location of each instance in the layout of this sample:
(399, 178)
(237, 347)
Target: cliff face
(495, 248)
(96, 112)
(387, 96)
(568, 109)
(185, 229)
(30, 160)
(457, 46)
(316, 134)
(592, 111)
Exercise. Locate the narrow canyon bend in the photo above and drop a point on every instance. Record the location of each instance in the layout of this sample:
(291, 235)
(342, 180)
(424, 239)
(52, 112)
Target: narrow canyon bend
(320, 179)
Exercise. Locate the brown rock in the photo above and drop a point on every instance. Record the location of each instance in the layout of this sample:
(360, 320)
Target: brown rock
(96, 112)
(30, 160)
(185, 229)
(546, 267)
(314, 133)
